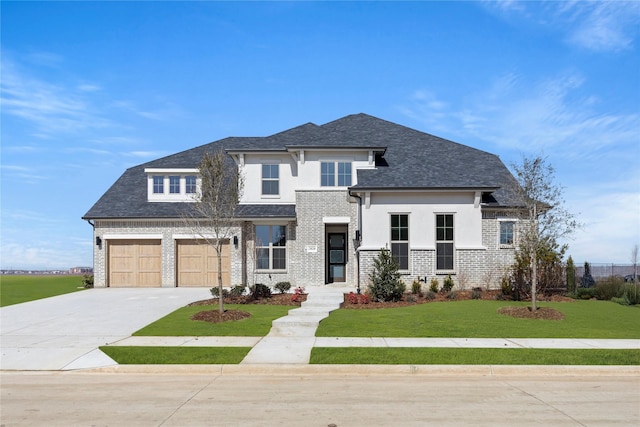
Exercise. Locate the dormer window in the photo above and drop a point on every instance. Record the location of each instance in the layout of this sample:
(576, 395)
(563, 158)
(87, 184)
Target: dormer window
(171, 185)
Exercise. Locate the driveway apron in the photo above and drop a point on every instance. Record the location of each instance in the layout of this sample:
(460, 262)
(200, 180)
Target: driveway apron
(64, 332)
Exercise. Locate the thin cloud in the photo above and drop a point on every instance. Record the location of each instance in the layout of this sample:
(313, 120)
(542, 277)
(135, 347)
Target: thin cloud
(544, 115)
(600, 26)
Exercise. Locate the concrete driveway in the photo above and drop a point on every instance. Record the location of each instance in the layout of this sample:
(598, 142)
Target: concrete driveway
(63, 332)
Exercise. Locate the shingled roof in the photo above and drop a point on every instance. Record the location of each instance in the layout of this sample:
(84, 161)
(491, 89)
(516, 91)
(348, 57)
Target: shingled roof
(412, 160)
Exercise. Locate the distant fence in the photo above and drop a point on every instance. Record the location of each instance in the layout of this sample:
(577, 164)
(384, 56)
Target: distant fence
(601, 271)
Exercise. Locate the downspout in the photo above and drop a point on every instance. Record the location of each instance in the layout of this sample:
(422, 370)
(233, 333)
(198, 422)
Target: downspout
(359, 232)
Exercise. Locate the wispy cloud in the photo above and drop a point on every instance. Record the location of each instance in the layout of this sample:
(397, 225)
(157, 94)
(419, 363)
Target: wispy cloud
(26, 175)
(516, 113)
(602, 26)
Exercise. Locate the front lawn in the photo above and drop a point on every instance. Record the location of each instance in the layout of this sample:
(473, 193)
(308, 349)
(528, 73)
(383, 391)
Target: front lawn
(176, 355)
(17, 289)
(472, 356)
(179, 322)
(480, 319)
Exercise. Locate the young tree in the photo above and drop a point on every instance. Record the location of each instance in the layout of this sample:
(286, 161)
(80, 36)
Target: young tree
(545, 220)
(634, 262)
(212, 214)
(571, 276)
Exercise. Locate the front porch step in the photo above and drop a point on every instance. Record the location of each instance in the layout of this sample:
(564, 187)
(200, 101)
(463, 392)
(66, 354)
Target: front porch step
(303, 321)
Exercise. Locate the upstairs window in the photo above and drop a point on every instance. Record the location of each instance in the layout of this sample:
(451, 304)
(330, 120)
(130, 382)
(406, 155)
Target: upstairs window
(444, 242)
(506, 233)
(271, 251)
(400, 240)
(270, 180)
(158, 184)
(190, 181)
(174, 184)
(332, 172)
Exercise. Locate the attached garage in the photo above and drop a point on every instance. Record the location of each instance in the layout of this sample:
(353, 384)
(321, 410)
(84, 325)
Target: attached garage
(134, 263)
(197, 264)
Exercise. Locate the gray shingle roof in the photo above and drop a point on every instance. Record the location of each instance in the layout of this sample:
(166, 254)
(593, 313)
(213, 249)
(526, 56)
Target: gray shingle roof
(412, 160)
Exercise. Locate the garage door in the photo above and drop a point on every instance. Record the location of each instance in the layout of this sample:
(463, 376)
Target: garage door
(198, 264)
(135, 263)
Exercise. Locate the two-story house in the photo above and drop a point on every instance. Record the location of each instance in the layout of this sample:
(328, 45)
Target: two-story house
(319, 203)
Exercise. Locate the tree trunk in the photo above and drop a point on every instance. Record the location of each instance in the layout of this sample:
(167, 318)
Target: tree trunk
(534, 258)
(220, 298)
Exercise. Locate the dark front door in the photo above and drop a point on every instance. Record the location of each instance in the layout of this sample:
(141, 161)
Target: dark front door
(337, 250)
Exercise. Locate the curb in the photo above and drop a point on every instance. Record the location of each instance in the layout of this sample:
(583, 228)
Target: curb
(370, 370)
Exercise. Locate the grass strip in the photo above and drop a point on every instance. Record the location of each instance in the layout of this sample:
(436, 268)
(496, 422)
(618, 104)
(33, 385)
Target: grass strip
(125, 355)
(179, 323)
(480, 319)
(472, 356)
(18, 289)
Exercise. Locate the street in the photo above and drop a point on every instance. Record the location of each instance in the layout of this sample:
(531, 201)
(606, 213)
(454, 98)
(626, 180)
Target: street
(156, 399)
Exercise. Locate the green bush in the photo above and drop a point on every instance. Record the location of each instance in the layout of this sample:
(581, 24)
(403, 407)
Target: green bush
(215, 292)
(385, 278)
(452, 295)
(433, 287)
(416, 287)
(632, 293)
(430, 295)
(259, 291)
(237, 291)
(447, 284)
(622, 301)
(586, 293)
(283, 287)
(87, 281)
(411, 298)
(611, 287)
(476, 293)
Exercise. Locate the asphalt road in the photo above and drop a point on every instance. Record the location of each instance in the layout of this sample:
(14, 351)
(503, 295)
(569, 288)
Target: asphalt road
(119, 399)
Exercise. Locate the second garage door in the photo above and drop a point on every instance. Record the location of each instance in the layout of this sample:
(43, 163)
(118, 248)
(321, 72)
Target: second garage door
(198, 264)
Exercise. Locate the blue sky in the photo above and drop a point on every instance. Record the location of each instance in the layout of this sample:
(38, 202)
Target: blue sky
(90, 89)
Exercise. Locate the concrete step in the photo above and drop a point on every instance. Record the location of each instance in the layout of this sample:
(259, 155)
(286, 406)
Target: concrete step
(310, 311)
(298, 321)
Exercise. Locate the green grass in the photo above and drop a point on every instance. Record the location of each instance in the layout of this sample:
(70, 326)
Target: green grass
(179, 322)
(17, 289)
(176, 355)
(472, 356)
(480, 319)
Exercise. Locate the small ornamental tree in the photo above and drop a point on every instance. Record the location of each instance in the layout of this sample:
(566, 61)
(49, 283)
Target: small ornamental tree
(385, 278)
(211, 216)
(571, 276)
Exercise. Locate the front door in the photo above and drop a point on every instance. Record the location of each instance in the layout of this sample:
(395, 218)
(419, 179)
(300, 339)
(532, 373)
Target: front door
(337, 250)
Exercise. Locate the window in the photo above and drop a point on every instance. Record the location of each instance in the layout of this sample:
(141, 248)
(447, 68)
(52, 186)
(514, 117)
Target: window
(400, 240)
(444, 242)
(506, 232)
(158, 184)
(270, 180)
(271, 251)
(329, 174)
(174, 184)
(190, 184)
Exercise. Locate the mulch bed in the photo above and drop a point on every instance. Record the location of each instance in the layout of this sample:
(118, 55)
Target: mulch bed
(545, 313)
(214, 316)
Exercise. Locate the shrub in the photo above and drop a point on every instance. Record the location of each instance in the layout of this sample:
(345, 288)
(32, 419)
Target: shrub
(476, 293)
(611, 287)
(283, 287)
(622, 301)
(215, 292)
(237, 291)
(430, 295)
(411, 298)
(452, 295)
(447, 284)
(364, 299)
(385, 278)
(632, 293)
(506, 286)
(353, 298)
(299, 290)
(587, 280)
(259, 291)
(87, 281)
(586, 293)
(416, 287)
(433, 287)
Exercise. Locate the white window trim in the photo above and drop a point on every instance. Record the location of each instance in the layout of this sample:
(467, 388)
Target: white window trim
(408, 241)
(270, 246)
(335, 173)
(272, 162)
(515, 238)
(166, 195)
(436, 241)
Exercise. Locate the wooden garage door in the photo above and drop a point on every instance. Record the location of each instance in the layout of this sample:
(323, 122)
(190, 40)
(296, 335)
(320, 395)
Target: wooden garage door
(198, 264)
(135, 263)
